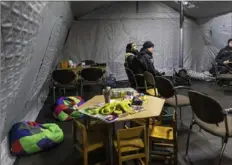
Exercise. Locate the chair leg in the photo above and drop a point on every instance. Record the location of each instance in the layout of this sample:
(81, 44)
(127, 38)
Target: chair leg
(175, 153)
(222, 150)
(188, 138)
(82, 91)
(150, 151)
(64, 91)
(120, 161)
(85, 157)
(54, 94)
(74, 133)
(181, 115)
(60, 92)
(77, 92)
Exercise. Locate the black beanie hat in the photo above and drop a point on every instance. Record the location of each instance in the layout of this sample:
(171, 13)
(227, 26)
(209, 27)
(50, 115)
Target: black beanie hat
(148, 44)
(229, 41)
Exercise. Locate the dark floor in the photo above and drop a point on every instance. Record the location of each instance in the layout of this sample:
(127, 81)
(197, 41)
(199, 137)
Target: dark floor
(204, 148)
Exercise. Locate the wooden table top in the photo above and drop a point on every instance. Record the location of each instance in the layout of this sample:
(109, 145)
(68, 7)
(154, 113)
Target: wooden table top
(153, 107)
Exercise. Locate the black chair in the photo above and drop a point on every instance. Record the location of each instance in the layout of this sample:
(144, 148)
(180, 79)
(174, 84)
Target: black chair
(91, 76)
(133, 79)
(150, 84)
(63, 79)
(89, 62)
(221, 78)
(209, 116)
(167, 91)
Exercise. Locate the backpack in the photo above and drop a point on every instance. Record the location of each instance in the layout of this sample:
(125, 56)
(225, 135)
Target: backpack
(181, 77)
(110, 81)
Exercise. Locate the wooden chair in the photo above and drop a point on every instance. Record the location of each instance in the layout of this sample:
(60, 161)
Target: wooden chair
(162, 136)
(131, 144)
(87, 140)
(164, 139)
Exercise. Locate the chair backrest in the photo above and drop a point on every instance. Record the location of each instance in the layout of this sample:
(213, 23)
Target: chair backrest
(165, 87)
(149, 78)
(92, 74)
(206, 108)
(131, 78)
(65, 76)
(80, 133)
(89, 62)
(135, 132)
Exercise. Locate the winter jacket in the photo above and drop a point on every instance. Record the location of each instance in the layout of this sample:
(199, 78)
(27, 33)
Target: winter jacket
(223, 55)
(132, 63)
(145, 59)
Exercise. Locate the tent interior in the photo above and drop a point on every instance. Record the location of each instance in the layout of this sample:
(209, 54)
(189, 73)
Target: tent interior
(37, 35)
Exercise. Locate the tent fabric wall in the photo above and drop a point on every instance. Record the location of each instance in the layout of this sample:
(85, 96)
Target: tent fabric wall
(216, 33)
(32, 35)
(103, 35)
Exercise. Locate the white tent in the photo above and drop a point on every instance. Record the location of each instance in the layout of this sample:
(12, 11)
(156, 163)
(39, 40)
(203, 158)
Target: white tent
(34, 38)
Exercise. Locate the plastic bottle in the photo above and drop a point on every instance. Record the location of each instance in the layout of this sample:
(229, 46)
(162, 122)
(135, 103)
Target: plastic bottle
(106, 93)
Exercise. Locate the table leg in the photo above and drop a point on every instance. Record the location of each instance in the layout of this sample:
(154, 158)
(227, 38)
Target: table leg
(148, 131)
(110, 132)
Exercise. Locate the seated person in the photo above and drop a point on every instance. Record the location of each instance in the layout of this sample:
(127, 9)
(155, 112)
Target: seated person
(224, 58)
(146, 60)
(131, 51)
(132, 63)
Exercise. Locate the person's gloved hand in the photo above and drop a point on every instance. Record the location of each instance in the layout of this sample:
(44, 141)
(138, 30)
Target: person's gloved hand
(226, 62)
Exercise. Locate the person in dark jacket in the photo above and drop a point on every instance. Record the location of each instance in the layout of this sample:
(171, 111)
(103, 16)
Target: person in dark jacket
(146, 60)
(224, 58)
(133, 64)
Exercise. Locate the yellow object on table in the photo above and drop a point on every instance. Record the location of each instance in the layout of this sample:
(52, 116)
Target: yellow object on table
(153, 107)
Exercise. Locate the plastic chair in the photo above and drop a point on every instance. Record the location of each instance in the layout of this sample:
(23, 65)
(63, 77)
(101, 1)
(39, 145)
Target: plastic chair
(167, 91)
(133, 79)
(220, 77)
(63, 79)
(209, 116)
(91, 76)
(150, 81)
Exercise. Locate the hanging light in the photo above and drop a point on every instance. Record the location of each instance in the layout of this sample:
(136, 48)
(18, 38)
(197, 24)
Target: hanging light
(185, 3)
(188, 5)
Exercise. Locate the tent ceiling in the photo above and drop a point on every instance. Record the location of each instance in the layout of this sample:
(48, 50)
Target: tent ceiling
(80, 8)
(203, 9)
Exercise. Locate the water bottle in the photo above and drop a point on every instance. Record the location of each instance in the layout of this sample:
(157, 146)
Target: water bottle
(106, 93)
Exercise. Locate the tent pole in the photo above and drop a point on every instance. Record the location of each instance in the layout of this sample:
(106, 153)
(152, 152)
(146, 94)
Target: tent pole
(181, 57)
